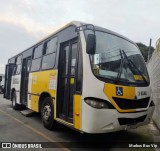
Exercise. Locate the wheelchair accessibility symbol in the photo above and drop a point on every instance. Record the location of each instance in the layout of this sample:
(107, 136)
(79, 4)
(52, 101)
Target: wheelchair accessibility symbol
(119, 91)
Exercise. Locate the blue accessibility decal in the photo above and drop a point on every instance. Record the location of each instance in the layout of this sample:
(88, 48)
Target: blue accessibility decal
(119, 91)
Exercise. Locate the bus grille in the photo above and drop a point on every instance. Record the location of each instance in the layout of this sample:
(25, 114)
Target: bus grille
(128, 121)
(131, 104)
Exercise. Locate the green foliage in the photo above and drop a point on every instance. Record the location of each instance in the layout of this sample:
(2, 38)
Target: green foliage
(144, 50)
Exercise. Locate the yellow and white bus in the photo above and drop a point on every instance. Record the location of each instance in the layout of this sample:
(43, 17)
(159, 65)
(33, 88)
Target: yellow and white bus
(83, 76)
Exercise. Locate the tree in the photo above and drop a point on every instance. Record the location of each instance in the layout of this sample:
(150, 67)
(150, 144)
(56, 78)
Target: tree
(144, 50)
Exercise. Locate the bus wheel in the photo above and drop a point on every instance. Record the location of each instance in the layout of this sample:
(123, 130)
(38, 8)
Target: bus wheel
(14, 104)
(47, 113)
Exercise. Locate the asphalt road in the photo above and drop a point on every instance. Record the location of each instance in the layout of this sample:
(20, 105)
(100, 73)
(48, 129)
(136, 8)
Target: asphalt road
(14, 127)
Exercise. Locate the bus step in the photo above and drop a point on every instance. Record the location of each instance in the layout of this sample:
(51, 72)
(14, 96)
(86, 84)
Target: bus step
(27, 113)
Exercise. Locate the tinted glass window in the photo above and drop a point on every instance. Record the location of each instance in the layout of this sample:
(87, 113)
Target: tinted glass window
(73, 59)
(51, 45)
(48, 61)
(79, 70)
(36, 64)
(28, 65)
(18, 69)
(12, 60)
(38, 51)
(19, 59)
(117, 59)
(65, 60)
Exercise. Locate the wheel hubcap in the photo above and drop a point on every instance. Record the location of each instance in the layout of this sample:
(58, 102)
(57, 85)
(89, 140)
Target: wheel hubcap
(46, 112)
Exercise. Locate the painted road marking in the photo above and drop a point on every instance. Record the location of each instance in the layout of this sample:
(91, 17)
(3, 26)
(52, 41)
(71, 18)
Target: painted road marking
(35, 130)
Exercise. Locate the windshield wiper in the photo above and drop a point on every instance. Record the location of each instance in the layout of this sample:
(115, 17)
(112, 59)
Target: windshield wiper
(121, 66)
(131, 62)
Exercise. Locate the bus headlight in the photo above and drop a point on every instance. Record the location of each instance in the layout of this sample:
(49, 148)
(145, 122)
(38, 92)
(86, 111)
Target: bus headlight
(97, 104)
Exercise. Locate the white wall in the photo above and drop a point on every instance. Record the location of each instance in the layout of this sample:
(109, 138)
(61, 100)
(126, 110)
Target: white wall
(154, 73)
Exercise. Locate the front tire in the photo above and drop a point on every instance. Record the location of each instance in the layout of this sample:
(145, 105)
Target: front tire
(47, 114)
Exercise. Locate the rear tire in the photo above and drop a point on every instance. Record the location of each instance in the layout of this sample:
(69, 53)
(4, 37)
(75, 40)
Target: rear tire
(47, 114)
(15, 106)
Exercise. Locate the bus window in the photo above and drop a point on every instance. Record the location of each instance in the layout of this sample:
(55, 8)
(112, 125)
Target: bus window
(28, 65)
(51, 45)
(36, 64)
(19, 59)
(73, 59)
(38, 51)
(48, 61)
(65, 60)
(18, 69)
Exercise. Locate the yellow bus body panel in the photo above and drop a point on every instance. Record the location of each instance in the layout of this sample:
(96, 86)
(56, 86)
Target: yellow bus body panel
(77, 112)
(43, 81)
(128, 93)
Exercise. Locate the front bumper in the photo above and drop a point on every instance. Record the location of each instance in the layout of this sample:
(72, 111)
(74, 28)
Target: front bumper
(107, 120)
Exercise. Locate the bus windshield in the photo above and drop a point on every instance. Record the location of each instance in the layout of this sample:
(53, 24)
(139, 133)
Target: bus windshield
(108, 61)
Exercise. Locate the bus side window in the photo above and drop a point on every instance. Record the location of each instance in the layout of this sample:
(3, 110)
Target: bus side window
(29, 65)
(79, 69)
(73, 58)
(14, 71)
(17, 68)
(48, 61)
(38, 51)
(19, 60)
(37, 56)
(51, 46)
(36, 63)
(49, 57)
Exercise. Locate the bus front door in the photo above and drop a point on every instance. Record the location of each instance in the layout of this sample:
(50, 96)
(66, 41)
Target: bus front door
(24, 80)
(8, 78)
(67, 79)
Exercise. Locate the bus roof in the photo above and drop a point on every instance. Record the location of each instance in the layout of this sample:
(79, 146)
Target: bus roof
(112, 32)
(75, 23)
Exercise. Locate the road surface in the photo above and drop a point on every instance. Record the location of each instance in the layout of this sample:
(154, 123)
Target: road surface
(14, 127)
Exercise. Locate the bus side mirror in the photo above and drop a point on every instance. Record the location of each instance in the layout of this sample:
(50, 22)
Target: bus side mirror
(0, 78)
(91, 44)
